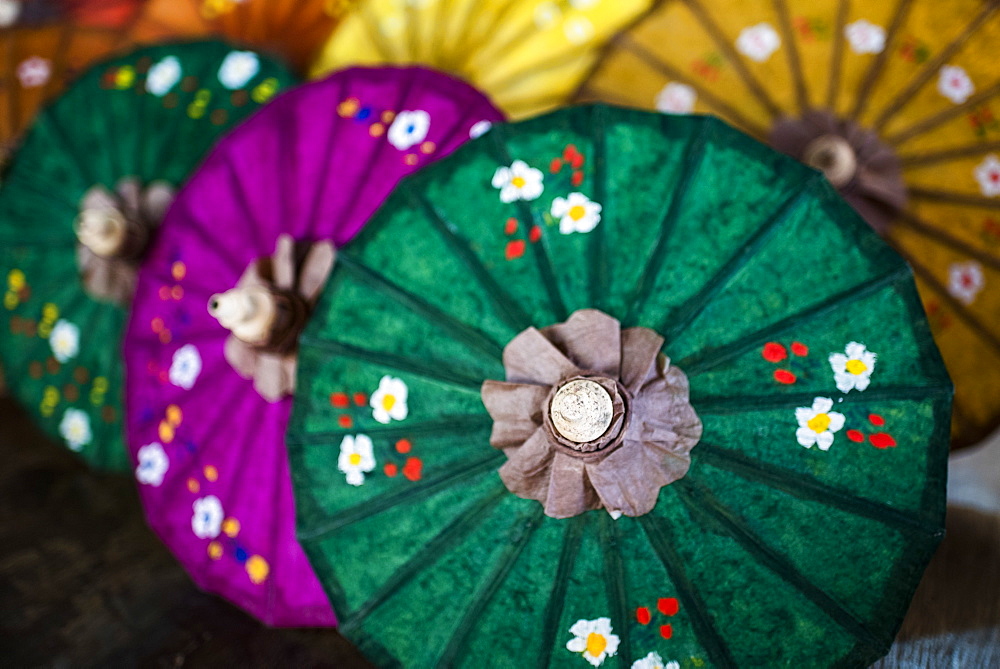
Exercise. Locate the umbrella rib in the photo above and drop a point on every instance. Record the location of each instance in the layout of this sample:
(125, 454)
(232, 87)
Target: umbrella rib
(507, 308)
(443, 426)
(700, 501)
(698, 363)
(614, 579)
(557, 600)
(878, 65)
(930, 69)
(693, 156)
(746, 403)
(424, 488)
(734, 58)
(676, 323)
(433, 371)
(909, 221)
(836, 55)
(455, 531)
(516, 541)
(461, 332)
(804, 487)
(785, 23)
(598, 248)
(919, 160)
(955, 198)
(705, 94)
(528, 219)
(931, 122)
(663, 544)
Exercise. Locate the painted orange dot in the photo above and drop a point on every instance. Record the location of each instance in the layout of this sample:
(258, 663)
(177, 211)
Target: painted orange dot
(163, 376)
(403, 446)
(257, 569)
(35, 369)
(855, 436)
(666, 631)
(376, 129)
(800, 349)
(211, 473)
(360, 399)
(165, 337)
(339, 399)
(391, 470)
(177, 292)
(348, 107)
(108, 414)
(193, 485)
(230, 527)
(642, 615)
(166, 431)
(174, 415)
(239, 98)
(170, 100)
(410, 159)
(164, 293)
(428, 147)
(214, 550)
(345, 421)
(668, 606)
(52, 366)
(219, 116)
(875, 419)
(178, 270)
(387, 116)
(81, 375)
(71, 393)
(784, 376)
(156, 324)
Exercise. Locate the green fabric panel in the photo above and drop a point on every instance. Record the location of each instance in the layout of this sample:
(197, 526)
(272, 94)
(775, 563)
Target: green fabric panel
(106, 127)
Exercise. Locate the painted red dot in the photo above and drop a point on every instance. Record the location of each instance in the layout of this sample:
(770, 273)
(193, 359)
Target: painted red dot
(413, 469)
(668, 606)
(555, 165)
(403, 446)
(577, 178)
(570, 152)
(784, 376)
(391, 470)
(882, 440)
(800, 349)
(642, 615)
(338, 399)
(535, 234)
(774, 352)
(360, 399)
(855, 436)
(510, 227)
(345, 421)
(876, 419)
(515, 249)
(666, 631)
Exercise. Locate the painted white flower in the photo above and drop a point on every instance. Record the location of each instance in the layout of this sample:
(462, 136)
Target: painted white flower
(852, 369)
(75, 429)
(578, 30)
(676, 98)
(206, 522)
(479, 129)
(153, 464)
(64, 340)
(389, 401)
(238, 67)
(954, 84)
(34, 72)
(988, 175)
(547, 14)
(965, 280)
(865, 37)
(409, 128)
(9, 11)
(185, 367)
(356, 458)
(817, 424)
(576, 213)
(163, 76)
(518, 182)
(758, 42)
(593, 638)
(654, 661)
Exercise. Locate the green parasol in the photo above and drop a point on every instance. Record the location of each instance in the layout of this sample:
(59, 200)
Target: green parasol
(101, 163)
(795, 530)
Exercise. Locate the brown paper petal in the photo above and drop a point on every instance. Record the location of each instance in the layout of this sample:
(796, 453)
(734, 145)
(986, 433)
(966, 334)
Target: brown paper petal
(516, 410)
(614, 478)
(156, 199)
(316, 270)
(639, 366)
(531, 358)
(590, 339)
(527, 467)
(570, 491)
(283, 263)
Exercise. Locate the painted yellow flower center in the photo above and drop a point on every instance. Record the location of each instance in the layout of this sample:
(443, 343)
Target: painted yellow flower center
(355, 459)
(819, 423)
(596, 644)
(257, 569)
(388, 402)
(577, 212)
(518, 182)
(856, 367)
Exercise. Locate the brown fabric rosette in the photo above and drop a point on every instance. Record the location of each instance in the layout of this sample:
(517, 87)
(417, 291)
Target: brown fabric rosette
(112, 278)
(294, 275)
(591, 416)
(865, 170)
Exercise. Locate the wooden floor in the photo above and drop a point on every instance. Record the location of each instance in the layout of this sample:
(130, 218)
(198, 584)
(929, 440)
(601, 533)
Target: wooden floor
(83, 582)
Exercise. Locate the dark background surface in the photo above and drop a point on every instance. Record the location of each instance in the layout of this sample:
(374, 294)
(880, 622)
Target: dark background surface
(84, 582)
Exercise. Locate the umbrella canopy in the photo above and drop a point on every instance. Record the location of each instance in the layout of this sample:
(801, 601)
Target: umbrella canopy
(290, 29)
(94, 13)
(767, 494)
(82, 199)
(896, 102)
(208, 408)
(528, 56)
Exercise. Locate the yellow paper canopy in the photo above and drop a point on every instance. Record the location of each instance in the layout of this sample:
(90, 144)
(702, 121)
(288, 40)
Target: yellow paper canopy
(527, 55)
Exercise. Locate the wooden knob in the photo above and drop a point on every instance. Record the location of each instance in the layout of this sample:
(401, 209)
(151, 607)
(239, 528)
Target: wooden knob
(581, 410)
(249, 312)
(103, 231)
(834, 156)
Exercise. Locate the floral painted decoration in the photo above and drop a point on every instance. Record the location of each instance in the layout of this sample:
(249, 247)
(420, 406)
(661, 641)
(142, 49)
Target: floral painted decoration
(852, 369)
(865, 37)
(518, 182)
(987, 173)
(34, 72)
(9, 11)
(185, 367)
(206, 522)
(409, 128)
(654, 661)
(965, 280)
(153, 464)
(593, 639)
(238, 67)
(388, 402)
(479, 129)
(817, 424)
(64, 340)
(954, 84)
(758, 42)
(75, 429)
(356, 458)
(163, 76)
(676, 98)
(576, 213)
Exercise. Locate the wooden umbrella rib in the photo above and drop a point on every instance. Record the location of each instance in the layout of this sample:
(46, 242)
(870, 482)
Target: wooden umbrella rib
(968, 151)
(734, 58)
(934, 65)
(874, 72)
(598, 245)
(837, 54)
(439, 427)
(560, 586)
(614, 580)
(911, 222)
(795, 64)
(951, 197)
(931, 122)
(736, 404)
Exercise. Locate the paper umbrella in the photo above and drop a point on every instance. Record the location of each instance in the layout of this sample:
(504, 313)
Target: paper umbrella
(247, 244)
(897, 102)
(767, 494)
(80, 204)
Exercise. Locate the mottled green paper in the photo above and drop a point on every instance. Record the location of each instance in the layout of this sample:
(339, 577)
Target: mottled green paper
(108, 126)
(776, 554)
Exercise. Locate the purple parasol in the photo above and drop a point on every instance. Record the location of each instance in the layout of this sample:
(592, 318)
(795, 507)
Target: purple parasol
(208, 448)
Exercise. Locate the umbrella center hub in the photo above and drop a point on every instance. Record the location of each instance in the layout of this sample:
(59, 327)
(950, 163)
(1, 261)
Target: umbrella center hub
(581, 411)
(103, 231)
(834, 156)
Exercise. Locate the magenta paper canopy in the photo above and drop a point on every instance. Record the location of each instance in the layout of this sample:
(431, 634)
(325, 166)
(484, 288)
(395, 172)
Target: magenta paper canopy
(209, 451)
